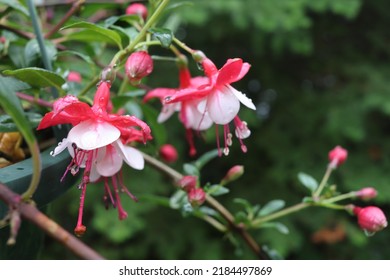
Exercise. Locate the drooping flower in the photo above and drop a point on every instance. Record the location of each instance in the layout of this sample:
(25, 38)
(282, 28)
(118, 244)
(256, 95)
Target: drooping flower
(96, 143)
(203, 101)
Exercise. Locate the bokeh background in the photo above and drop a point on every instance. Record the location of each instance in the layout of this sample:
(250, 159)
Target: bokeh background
(319, 78)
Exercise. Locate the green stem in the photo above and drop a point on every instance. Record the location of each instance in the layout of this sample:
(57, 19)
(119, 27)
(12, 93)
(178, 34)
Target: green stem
(281, 213)
(89, 86)
(36, 165)
(183, 46)
(339, 197)
(118, 56)
(324, 180)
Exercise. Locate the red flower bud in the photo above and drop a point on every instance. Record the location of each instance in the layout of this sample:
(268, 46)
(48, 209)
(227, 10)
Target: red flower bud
(233, 174)
(371, 219)
(138, 65)
(337, 156)
(137, 9)
(187, 182)
(196, 197)
(168, 153)
(367, 193)
(74, 76)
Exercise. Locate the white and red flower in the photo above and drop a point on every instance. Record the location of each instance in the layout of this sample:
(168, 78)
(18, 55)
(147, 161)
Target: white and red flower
(97, 143)
(203, 101)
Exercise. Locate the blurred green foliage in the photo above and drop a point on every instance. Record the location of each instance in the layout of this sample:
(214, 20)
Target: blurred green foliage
(319, 78)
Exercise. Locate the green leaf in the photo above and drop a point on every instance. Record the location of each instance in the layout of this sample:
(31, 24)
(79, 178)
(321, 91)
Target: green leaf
(84, 57)
(164, 35)
(15, 5)
(190, 169)
(205, 158)
(131, 19)
(7, 124)
(37, 77)
(178, 199)
(276, 225)
(216, 190)
(159, 132)
(272, 206)
(32, 52)
(96, 29)
(308, 181)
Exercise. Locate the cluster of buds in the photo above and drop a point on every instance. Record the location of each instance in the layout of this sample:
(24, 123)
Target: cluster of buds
(196, 196)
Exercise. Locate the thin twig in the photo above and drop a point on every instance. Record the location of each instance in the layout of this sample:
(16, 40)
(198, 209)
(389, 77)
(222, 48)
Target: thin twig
(75, 7)
(31, 213)
(21, 33)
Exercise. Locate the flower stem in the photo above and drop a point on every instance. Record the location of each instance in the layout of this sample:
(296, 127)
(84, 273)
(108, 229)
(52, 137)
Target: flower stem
(152, 20)
(324, 180)
(339, 197)
(281, 213)
(183, 46)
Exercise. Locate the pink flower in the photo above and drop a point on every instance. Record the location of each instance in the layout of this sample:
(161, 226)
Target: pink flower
(168, 153)
(371, 219)
(188, 182)
(74, 76)
(366, 193)
(96, 143)
(138, 65)
(203, 101)
(337, 156)
(196, 196)
(137, 9)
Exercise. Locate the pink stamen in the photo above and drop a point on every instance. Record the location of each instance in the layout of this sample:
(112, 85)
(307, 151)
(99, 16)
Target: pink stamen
(190, 140)
(107, 191)
(121, 212)
(124, 188)
(218, 146)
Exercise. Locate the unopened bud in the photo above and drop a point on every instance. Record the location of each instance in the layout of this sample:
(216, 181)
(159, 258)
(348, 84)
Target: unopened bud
(367, 193)
(74, 77)
(168, 153)
(196, 197)
(138, 65)
(198, 56)
(371, 219)
(137, 9)
(337, 156)
(233, 174)
(187, 183)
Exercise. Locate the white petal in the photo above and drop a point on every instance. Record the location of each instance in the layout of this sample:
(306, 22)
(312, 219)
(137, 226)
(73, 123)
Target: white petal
(108, 161)
(60, 147)
(167, 111)
(94, 174)
(242, 97)
(90, 135)
(198, 120)
(130, 155)
(222, 106)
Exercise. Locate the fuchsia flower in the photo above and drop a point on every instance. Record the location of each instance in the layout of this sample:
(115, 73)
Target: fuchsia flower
(203, 101)
(97, 143)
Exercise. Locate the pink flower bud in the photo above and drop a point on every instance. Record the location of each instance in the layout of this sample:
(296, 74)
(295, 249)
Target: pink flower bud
(367, 193)
(337, 156)
(137, 9)
(168, 153)
(196, 197)
(3, 40)
(233, 174)
(138, 65)
(74, 77)
(371, 218)
(187, 182)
